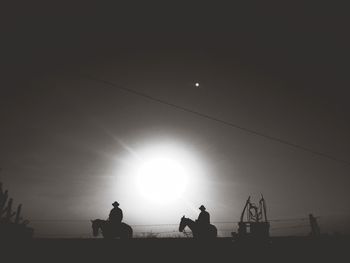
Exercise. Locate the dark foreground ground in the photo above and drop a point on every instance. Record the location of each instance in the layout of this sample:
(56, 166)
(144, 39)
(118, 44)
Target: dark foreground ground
(176, 250)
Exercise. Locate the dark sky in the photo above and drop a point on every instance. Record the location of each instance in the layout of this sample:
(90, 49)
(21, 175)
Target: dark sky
(280, 70)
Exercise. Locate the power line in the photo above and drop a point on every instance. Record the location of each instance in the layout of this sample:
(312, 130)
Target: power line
(212, 118)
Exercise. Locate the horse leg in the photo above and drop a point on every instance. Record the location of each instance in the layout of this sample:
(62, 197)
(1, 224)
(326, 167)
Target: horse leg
(107, 232)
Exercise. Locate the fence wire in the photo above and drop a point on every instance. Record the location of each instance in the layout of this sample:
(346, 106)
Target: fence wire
(68, 228)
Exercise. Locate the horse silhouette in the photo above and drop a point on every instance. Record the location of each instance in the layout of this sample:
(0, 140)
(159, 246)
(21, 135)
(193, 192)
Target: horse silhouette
(123, 231)
(199, 232)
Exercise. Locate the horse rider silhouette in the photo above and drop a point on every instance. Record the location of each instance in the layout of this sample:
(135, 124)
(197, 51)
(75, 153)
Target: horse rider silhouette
(116, 215)
(203, 220)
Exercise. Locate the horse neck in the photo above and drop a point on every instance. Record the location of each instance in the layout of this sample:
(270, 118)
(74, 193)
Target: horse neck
(190, 223)
(100, 223)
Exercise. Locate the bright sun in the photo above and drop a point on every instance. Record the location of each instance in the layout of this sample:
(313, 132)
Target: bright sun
(162, 180)
(159, 179)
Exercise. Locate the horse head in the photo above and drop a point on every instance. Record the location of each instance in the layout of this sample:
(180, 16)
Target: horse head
(183, 224)
(95, 227)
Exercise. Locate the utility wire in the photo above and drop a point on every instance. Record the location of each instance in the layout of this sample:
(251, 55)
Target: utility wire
(209, 117)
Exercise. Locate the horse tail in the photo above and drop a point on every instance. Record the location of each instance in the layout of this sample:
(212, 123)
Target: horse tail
(130, 232)
(214, 230)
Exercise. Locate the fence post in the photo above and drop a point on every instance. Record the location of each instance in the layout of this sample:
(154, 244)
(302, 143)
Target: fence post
(3, 200)
(315, 229)
(9, 213)
(18, 214)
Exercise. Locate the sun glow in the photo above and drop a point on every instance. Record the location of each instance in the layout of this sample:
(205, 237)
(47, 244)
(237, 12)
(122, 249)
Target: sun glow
(161, 179)
(158, 181)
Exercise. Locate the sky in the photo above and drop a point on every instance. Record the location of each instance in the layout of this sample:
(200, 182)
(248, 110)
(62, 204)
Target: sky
(70, 145)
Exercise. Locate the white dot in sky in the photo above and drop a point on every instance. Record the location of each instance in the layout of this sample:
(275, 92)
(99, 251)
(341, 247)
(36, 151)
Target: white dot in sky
(196, 84)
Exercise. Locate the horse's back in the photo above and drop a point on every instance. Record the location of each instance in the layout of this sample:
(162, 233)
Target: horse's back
(126, 226)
